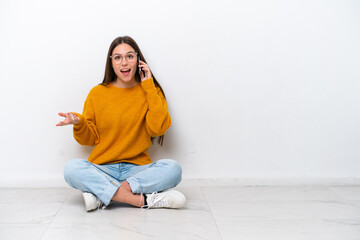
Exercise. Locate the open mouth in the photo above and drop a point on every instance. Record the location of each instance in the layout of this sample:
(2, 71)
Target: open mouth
(125, 72)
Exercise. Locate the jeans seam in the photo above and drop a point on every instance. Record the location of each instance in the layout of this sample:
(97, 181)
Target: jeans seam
(111, 179)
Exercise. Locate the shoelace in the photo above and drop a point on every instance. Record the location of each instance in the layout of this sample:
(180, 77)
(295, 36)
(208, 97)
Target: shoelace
(100, 204)
(156, 200)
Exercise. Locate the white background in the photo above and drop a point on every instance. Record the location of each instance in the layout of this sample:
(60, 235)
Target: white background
(256, 89)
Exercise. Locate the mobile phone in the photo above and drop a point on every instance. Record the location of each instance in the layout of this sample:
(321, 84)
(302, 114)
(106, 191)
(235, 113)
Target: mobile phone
(140, 70)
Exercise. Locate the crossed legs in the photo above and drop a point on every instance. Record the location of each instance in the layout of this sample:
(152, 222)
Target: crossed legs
(125, 195)
(122, 182)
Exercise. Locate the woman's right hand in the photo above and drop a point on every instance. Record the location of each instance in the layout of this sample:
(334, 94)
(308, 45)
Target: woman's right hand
(70, 118)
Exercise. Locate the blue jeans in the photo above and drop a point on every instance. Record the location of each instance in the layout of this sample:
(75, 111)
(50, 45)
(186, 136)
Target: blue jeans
(104, 180)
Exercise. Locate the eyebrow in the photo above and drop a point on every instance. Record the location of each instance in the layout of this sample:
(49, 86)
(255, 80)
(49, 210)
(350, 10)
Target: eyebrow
(127, 52)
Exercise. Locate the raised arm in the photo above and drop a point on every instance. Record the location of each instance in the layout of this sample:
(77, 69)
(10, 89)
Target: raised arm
(85, 131)
(70, 118)
(157, 118)
(84, 128)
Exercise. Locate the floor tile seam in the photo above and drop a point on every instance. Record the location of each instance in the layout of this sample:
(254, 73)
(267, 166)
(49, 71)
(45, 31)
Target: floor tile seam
(52, 219)
(214, 220)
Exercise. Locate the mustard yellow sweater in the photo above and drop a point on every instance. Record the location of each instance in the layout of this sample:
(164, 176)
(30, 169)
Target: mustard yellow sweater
(121, 121)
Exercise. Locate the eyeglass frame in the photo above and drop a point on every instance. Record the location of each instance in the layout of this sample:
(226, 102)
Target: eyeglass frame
(117, 54)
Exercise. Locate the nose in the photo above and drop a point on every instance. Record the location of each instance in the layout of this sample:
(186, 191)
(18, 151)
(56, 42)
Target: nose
(124, 61)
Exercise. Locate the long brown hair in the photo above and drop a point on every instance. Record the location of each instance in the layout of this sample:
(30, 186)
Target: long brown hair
(110, 75)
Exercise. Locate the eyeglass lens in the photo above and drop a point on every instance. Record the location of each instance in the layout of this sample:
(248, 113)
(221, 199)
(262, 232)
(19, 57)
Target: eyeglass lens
(118, 58)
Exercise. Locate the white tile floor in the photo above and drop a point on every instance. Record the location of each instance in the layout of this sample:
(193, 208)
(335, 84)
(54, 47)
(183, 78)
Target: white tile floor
(248, 213)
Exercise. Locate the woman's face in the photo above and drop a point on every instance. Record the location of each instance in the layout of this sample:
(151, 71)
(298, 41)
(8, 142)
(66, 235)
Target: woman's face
(124, 61)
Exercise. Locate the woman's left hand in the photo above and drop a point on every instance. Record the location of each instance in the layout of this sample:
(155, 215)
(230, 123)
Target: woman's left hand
(145, 68)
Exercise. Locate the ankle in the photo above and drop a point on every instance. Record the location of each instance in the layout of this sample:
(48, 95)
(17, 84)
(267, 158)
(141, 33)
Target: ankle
(125, 196)
(126, 186)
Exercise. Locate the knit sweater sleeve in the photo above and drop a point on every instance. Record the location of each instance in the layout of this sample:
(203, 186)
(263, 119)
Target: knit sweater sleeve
(85, 131)
(157, 118)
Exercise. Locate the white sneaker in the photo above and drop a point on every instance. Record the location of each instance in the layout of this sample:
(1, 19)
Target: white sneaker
(92, 202)
(166, 199)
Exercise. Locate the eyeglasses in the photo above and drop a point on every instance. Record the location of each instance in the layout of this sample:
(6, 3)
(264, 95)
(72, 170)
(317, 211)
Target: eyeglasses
(130, 57)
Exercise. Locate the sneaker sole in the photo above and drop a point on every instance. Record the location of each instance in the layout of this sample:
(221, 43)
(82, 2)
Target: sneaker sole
(89, 203)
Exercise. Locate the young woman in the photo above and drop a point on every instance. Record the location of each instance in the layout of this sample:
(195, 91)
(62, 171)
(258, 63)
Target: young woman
(121, 117)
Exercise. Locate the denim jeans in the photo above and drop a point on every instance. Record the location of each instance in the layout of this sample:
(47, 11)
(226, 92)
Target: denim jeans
(104, 180)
